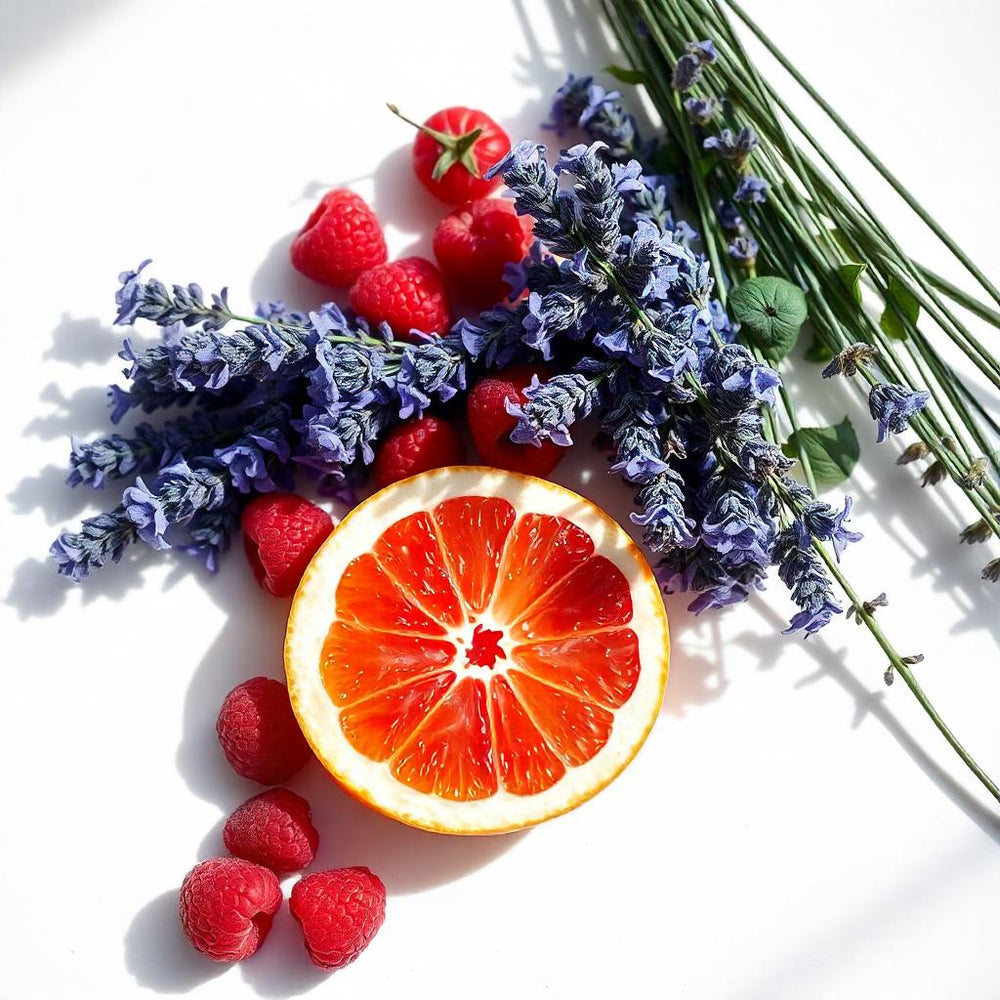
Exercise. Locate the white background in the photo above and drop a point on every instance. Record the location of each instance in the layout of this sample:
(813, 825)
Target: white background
(792, 829)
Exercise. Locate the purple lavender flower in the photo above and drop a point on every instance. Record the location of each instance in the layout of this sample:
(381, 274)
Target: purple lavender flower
(893, 405)
(687, 72)
(800, 570)
(552, 407)
(100, 540)
(247, 460)
(701, 110)
(744, 249)
(733, 147)
(751, 190)
(184, 304)
(144, 509)
(729, 216)
(842, 536)
(571, 101)
(704, 51)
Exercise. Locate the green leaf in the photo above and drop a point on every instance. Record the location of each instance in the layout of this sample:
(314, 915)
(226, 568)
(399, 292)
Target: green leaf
(625, 75)
(842, 241)
(771, 310)
(900, 305)
(850, 275)
(817, 352)
(832, 451)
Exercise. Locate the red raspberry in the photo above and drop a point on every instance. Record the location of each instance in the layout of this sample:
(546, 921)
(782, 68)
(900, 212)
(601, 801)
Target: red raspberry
(491, 424)
(416, 446)
(453, 150)
(473, 244)
(281, 533)
(273, 829)
(226, 907)
(407, 294)
(340, 911)
(258, 732)
(340, 239)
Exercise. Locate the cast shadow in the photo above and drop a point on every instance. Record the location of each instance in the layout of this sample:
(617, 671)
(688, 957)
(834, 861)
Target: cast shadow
(831, 664)
(158, 955)
(79, 341)
(48, 495)
(82, 413)
(38, 591)
(916, 519)
(275, 278)
(402, 202)
(697, 675)
(30, 27)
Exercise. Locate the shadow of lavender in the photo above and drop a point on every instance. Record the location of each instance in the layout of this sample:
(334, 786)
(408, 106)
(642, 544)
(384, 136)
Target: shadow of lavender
(831, 664)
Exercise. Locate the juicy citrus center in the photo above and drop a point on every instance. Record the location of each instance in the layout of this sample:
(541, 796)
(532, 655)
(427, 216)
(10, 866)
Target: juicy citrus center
(474, 650)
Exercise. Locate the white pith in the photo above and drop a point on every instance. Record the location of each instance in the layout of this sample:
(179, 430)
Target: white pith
(314, 611)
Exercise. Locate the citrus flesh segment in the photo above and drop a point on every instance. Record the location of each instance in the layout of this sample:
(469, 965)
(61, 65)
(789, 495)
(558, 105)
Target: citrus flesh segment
(357, 662)
(410, 552)
(594, 596)
(576, 729)
(495, 651)
(379, 725)
(451, 755)
(602, 667)
(475, 530)
(527, 764)
(367, 594)
(540, 552)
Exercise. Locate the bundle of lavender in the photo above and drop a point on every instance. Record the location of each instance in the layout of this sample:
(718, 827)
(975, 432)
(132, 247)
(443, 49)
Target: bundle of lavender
(632, 322)
(797, 216)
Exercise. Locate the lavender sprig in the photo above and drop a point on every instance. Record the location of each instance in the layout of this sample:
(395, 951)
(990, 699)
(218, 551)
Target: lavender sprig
(152, 300)
(114, 457)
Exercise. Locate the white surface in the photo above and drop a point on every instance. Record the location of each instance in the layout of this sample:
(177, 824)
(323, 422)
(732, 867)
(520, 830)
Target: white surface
(791, 830)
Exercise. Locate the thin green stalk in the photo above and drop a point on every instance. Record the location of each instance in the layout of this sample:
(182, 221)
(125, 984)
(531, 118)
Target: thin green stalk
(904, 671)
(960, 296)
(849, 133)
(807, 172)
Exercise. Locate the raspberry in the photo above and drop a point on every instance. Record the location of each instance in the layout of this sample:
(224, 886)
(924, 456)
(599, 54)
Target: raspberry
(272, 829)
(340, 239)
(258, 732)
(407, 294)
(473, 244)
(453, 150)
(416, 446)
(281, 533)
(491, 424)
(226, 907)
(340, 911)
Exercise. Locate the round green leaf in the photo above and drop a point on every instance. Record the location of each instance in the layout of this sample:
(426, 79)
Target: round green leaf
(832, 451)
(771, 310)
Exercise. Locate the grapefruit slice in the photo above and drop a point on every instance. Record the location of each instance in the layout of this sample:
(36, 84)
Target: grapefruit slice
(475, 651)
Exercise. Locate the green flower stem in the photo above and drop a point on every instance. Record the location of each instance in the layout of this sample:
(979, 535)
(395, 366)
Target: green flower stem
(827, 323)
(896, 185)
(904, 671)
(738, 60)
(807, 172)
(949, 323)
(829, 329)
(962, 297)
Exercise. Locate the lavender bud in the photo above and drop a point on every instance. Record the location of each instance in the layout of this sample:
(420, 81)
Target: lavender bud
(935, 474)
(978, 531)
(913, 452)
(974, 474)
